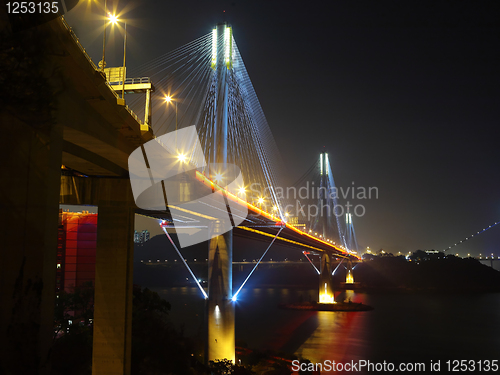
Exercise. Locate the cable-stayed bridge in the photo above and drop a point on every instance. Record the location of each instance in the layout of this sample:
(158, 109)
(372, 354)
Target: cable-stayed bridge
(97, 127)
(210, 88)
(70, 112)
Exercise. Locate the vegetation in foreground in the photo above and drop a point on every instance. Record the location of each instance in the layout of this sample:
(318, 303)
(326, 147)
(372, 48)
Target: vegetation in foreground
(157, 347)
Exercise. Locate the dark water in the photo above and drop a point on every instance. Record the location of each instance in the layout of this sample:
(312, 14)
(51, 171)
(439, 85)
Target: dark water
(402, 328)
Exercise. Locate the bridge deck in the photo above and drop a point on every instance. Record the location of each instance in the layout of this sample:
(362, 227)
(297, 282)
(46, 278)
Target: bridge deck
(256, 224)
(99, 131)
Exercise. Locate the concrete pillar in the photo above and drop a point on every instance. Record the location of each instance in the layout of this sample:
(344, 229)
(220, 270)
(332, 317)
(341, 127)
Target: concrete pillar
(30, 170)
(113, 278)
(349, 278)
(325, 280)
(221, 340)
(147, 109)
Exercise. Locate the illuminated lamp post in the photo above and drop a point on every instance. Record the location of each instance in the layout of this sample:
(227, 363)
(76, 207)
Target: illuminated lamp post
(169, 99)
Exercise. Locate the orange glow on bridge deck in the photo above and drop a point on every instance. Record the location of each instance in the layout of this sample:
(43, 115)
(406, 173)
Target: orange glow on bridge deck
(201, 177)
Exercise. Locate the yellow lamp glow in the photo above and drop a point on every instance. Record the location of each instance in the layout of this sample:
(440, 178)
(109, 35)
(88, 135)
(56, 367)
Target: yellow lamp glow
(349, 278)
(325, 296)
(113, 18)
(218, 177)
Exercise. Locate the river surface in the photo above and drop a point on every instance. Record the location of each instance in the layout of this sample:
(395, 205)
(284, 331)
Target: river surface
(401, 328)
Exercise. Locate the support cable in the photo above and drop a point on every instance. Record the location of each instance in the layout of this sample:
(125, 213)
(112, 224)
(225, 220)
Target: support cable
(310, 261)
(183, 261)
(338, 265)
(250, 274)
(468, 238)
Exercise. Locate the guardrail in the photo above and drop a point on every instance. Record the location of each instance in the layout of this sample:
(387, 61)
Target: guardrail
(132, 81)
(89, 59)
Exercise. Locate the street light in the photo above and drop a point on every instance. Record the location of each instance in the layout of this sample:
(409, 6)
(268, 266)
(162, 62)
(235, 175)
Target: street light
(114, 20)
(182, 158)
(104, 37)
(169, 99)
(218, 177)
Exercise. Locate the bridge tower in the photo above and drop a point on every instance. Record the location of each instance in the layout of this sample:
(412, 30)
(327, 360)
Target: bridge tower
(323, 192)
(349, 279)
(221, 339)
(325, 277)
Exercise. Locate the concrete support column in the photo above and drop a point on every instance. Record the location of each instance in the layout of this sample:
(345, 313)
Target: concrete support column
(30, 170)
(349, 278)
(147, 109)
(325, 280)
(221, 340)
(113, 278)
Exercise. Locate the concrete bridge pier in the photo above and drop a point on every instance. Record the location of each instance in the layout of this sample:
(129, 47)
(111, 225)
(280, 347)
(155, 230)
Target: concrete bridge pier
(221, 339)
(325, 280)
(113, 268)
(113, 278)
(29, 211)
(349, 278)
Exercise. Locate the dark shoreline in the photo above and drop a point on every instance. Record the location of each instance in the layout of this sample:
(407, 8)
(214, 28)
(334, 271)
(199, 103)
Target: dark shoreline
(382, 275)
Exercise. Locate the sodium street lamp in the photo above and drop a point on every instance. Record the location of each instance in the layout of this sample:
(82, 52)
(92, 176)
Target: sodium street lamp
(104, 37)
(124, 55)
(169, 99)
(114, 20)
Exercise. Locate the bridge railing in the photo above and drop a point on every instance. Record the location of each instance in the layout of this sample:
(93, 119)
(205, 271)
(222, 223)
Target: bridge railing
(132, 81)
(77, 41)
(89, 59)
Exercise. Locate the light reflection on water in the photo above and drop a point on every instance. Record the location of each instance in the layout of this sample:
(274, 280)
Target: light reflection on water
(338, 337)
(402, 327)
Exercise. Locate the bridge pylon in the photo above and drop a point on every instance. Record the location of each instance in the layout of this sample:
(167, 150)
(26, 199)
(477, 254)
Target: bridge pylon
(323, 193)
(221, 339)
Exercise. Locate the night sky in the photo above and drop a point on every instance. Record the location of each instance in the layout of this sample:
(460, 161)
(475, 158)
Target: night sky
(403, 95)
